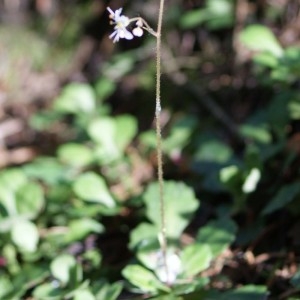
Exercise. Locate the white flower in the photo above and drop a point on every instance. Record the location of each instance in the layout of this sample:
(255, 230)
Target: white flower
(174, 267)
(138, 31)
(120, 22)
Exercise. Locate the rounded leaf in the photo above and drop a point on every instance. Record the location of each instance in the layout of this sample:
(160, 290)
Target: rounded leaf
(180, 204)
(76, 155)
(76, 98)
(47, 291)
(142, 278)
(126, 129)
(83, 294)
(30, 200)
(25, 235)
(61, 267)
(195, 258)
(261, 38)
(217, 234)
(92, 187)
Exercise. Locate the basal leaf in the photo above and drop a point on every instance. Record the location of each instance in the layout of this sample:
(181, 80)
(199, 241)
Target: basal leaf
(180, 205)
(61, 267)
(92, 187)
(217, 234)
(142, 232)
(126, 129)
(195, 258)
(142, 278)
(84, 294)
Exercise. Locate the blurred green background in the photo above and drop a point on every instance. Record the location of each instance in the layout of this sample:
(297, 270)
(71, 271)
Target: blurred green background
(79, 211)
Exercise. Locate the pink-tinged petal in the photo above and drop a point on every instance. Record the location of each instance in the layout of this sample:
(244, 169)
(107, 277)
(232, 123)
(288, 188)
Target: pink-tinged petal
(111, 12)
(113, 34)
(138, 31)
(116, 39)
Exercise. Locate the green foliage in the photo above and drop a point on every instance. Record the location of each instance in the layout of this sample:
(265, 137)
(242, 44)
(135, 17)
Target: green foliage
(180, 203)
(91, 187)
(67, 216)
(217, 234)
(261, 38)
(216, 14)
(196, 258)
(143, 279)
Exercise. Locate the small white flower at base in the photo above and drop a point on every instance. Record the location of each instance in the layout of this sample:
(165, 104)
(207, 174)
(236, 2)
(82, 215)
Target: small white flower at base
(138, 31)
(174, 267)
(120, 22)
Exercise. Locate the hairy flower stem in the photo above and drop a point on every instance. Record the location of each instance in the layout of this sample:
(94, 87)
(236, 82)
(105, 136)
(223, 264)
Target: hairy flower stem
(163, 237)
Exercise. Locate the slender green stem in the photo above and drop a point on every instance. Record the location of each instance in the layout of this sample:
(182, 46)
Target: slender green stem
(163, 237)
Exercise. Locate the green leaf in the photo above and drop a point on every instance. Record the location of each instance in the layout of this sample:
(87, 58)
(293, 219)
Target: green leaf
(193, 18)
(61, 267)
(104, 290)
(258, 133)
(217, 234)
(213, 151)
(143, 232)
(192, 287)
(195, 258)
(266, 59)
(76, 155)
(84, 294)
(248, 292)
(104, 88)
(47, 291)
(30, 200)
(76, 98)
(142, 278)
(78, 229)
(47, 169)
(261, 38)
(148, 138)
(217, 14)
(92, 187)
(284, 196)
(126, 129)
(25, 235)
(103, 132)
(12, 179)
(294, 107)
(7, 202)
(220, 13)
(229, 174)
(5, 286)
(180, 134)
(114, 290)
(120, 65)
(180, 204)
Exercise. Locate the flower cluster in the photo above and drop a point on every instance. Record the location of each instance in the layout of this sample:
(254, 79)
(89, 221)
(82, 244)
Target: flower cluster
(121, 23)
